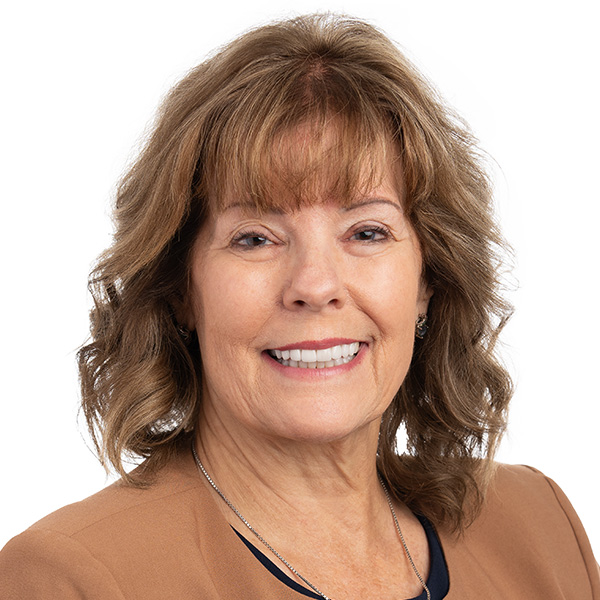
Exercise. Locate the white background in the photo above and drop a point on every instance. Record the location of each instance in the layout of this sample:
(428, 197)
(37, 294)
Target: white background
(80, 82)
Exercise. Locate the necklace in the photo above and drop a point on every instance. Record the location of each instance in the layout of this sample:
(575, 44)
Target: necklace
(283, 560)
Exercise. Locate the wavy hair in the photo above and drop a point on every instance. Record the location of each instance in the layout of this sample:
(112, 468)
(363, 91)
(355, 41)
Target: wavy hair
(222, 131)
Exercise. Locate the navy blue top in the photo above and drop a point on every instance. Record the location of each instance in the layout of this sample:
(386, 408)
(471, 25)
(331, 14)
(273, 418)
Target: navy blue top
(438, 581)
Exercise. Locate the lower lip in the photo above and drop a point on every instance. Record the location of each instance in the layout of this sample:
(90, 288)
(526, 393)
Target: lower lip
(298, 373)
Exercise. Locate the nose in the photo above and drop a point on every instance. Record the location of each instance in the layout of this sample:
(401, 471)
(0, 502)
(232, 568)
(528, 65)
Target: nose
(315, 280)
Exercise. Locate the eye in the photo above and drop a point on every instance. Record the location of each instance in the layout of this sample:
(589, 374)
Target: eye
(372, 233)
(247, 240)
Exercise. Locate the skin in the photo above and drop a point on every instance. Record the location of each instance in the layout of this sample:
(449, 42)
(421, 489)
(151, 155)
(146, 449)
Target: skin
(294, 449)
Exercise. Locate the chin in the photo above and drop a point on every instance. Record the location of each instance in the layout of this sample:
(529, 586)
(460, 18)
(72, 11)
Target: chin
(322, 429)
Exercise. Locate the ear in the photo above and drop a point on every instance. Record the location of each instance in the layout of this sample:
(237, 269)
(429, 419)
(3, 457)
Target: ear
(425, 293)
(184, 314)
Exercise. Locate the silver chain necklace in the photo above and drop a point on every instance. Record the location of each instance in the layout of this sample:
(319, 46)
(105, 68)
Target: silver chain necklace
(285, 562)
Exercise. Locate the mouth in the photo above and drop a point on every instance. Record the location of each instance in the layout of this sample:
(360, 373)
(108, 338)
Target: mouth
(322, 358)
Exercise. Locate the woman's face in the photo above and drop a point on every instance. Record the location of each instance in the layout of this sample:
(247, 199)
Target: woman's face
(306, 319)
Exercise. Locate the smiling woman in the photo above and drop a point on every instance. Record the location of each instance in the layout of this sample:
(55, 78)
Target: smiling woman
(284, 296)
(305, 260)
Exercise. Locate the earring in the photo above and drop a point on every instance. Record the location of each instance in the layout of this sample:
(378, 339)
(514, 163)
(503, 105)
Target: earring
(421, 326)
(184, 333)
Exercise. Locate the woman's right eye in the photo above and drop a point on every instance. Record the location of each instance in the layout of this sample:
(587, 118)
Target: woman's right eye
(246, 240)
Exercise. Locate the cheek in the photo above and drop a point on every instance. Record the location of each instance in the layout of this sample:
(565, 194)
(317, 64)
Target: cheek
(393, 354)
(391, 289)
(228, 308)
(390, 293)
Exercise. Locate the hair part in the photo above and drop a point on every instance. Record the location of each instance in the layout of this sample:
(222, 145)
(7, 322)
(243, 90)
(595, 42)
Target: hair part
(289, 113)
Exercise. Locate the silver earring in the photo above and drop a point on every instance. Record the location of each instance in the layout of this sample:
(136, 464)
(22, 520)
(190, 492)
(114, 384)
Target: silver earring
(421, 326)
(184, 333)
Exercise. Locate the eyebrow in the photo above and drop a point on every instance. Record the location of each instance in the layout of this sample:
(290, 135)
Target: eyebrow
(248, 206)
(373, 201)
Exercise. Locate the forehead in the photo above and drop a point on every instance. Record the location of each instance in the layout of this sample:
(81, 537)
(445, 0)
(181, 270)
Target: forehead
(305, 166)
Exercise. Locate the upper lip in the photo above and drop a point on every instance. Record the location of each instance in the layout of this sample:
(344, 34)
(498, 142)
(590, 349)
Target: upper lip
(316, 344)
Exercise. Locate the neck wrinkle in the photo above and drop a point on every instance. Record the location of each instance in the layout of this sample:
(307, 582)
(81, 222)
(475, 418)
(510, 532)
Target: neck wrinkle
(280, 487)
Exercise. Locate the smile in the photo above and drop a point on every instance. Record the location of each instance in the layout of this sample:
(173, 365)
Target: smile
(316, 359)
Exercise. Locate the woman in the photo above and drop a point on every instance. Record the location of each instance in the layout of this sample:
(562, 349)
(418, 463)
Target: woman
(304, 261)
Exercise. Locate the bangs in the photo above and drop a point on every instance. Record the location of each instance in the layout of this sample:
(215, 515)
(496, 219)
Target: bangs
(278, 145)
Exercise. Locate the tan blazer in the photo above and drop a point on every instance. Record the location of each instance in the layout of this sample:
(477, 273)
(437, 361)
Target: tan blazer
(172, 542)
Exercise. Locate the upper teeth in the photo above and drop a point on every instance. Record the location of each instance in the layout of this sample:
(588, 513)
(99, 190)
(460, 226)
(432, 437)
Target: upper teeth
(327, 357)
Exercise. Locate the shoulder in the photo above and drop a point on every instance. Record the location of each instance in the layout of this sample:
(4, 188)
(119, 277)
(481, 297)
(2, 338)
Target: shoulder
(523, 489)
(90, 548)
(41, 564)
(526, 495)
(527, 535)
(517, 478)
(537, 509)
(119, 504)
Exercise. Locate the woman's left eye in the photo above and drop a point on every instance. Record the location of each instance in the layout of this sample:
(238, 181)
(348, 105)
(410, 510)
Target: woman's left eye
(371, 234)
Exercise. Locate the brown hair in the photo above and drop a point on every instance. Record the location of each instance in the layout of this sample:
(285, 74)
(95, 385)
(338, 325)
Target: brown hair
(217, 133)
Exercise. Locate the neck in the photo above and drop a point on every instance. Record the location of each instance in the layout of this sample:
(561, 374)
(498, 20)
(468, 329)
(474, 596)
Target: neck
(272, 481)
(320, 504)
